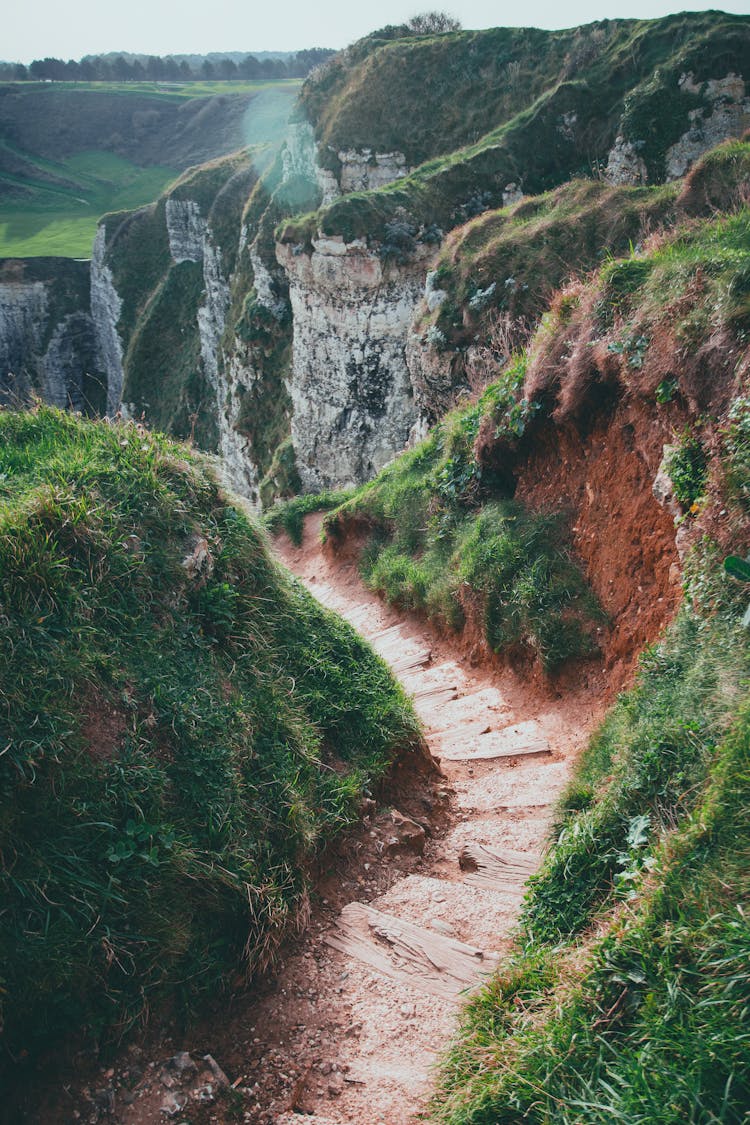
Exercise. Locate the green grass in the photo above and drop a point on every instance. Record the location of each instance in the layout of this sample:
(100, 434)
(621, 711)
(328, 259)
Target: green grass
(56, 183)
(488, 108)
(289, 515)
(177, 743)
(511, 261)
(164, 90)
(60, 220)
(445, 539)
(647, 1021)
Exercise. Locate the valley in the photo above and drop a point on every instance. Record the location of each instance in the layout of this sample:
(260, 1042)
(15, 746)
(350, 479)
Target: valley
(375, 544)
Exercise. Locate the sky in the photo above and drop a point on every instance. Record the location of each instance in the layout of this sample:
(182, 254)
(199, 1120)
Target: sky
(72, 28)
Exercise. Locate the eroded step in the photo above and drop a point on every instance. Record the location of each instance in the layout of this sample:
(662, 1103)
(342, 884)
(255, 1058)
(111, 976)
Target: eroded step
(497, 868)
(410, 661)
(519, 740)
(425, 960)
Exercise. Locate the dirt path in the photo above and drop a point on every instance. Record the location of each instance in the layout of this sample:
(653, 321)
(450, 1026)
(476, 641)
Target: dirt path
(506, 756)
(366, 999)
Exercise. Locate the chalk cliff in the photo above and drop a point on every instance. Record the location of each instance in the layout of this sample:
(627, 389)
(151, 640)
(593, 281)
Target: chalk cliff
(47, 338)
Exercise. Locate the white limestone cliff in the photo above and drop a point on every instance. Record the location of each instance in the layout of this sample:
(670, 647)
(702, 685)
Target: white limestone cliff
(106, 306)
(350, 387)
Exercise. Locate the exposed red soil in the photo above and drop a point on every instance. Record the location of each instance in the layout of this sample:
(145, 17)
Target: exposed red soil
(625, 539)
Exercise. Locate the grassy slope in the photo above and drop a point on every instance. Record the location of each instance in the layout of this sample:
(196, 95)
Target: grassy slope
(178, 743)
(498, 272)
(643, 1016)
(446, 539)
(53, 194)
(600, 74)
(626, 999)
(60, 218)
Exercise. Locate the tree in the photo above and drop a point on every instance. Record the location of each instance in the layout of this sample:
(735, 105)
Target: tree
(433, 23)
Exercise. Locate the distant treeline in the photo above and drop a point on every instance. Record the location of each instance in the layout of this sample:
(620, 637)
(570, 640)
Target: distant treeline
(119, 68)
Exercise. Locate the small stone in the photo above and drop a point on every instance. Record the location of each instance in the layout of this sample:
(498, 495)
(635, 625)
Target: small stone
(216, 1070)
(173, 1104)
(183, 1064)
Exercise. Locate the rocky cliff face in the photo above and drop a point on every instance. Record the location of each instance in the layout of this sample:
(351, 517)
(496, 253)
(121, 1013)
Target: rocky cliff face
(47, 340)
(711, 112)
(353, 405)
(307, 362)
(106, 306)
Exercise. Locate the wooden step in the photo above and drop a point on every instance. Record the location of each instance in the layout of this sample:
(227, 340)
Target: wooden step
(436, 693)
(392, 631)
(430, 962)
(410, 663)
(520, 740)
(497, 869)
(523, 750)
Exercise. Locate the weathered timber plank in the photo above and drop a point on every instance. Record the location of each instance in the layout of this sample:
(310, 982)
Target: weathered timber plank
(522, 750)
(402, 951)
(435, 693)
(519, 739)
(410, 663)
(497, 869)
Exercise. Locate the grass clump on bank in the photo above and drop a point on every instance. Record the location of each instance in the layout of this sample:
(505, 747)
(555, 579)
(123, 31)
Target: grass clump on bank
(289, 515)
(645, 1019)
(443, 537)
(183, 730)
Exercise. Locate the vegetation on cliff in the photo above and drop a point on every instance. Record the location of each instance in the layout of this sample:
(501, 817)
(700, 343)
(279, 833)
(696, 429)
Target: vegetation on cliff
(507, 107)
(183, 730)
(164, 375)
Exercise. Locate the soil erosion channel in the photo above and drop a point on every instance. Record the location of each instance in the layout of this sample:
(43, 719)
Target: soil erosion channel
(398, 966)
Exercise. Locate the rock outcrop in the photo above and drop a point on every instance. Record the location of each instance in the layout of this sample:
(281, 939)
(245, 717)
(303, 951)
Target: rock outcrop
(47, 340)
(106, 306)
(353, 405)
(724, 112)
(727, 114)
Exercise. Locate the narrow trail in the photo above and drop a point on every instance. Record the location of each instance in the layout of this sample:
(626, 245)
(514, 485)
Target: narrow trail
(410, 912)
(401, 963)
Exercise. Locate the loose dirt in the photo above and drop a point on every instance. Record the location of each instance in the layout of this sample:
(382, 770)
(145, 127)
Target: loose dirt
(362, 1004)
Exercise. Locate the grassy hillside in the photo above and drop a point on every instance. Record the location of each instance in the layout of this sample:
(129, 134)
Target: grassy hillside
(495, 275)
(509, 106)
(183, 729)
(485, 524)
(627, 997)
(70, 153)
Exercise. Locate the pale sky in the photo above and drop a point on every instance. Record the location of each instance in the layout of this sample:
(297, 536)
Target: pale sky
(72, 28)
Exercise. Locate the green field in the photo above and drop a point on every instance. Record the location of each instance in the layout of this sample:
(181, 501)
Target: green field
(167, 89)
(61, 221)
(50, 203)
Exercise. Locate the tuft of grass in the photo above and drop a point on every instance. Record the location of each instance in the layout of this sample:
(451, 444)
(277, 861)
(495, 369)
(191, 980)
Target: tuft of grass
(289, 515)
(183, 729)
